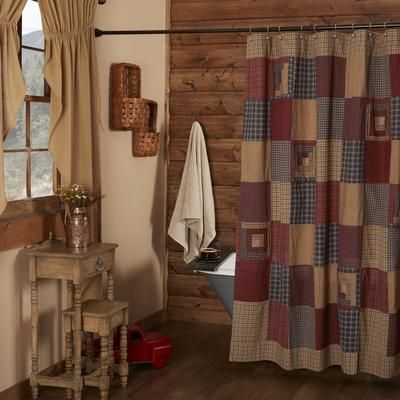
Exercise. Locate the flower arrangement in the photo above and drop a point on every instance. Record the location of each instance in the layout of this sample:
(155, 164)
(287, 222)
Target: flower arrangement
(78, 196)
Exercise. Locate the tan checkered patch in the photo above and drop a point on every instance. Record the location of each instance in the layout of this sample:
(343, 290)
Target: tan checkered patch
(280, 202)
(329, 160)
(375, 247)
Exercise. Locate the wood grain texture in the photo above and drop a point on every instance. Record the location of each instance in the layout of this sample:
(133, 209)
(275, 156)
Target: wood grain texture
(199, 369)
(214, 126)
(208, 80)
(198, 10)
(206, 103)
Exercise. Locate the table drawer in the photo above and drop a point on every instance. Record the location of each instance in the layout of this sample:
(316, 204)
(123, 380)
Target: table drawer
(97, 264)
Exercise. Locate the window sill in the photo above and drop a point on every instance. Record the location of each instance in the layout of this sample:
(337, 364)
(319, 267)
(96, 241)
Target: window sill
(26, 222)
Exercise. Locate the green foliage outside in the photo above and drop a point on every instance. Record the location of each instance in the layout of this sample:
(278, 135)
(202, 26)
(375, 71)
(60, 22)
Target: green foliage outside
(15, 163)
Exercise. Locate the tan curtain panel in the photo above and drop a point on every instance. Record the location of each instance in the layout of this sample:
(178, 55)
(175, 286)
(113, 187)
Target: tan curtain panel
(71, 72)
(12, 86)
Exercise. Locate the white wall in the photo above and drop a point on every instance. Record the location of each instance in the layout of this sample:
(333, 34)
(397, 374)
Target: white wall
(133, 210)
(134, 206)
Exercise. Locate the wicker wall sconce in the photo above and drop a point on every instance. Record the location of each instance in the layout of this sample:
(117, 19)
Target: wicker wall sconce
(128, 111)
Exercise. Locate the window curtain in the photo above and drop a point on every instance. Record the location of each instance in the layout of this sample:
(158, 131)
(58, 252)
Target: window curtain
(318, 257)
(71, 72)
(12, 85)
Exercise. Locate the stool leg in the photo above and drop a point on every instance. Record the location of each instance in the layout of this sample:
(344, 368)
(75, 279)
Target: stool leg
(104, 378)
(123, 366)
(89, 352)
(68, 359)
(111, 355)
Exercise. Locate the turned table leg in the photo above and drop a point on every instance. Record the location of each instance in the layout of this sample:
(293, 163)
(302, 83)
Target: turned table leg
(68, 336)
(35, 354)
(123, 366)
(104, 378)
(89, 352)
(77, 341)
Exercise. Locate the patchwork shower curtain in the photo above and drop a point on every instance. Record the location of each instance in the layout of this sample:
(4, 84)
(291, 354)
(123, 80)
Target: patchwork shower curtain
(318, 255)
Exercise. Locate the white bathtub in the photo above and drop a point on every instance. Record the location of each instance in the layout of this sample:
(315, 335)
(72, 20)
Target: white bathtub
(222, 281)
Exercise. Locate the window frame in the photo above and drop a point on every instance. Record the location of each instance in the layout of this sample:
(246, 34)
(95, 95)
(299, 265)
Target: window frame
(40, 215)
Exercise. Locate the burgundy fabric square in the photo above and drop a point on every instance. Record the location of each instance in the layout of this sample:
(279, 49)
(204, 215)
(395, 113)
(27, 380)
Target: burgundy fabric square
(394, 335)
(326, 326)
(280, 242)
(327, 202)
(377, 161)
(252, 280)
(278, 323)
(257, 69)
(256, 195)
(394, 74)
(374, 289)
(354, 118)
(301, 285)
(281, 119)
(331, 76)
(350, 246)
(394, 205)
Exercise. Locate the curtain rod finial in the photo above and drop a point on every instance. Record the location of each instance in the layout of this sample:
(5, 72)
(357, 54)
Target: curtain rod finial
(98, 32)
(102, 1)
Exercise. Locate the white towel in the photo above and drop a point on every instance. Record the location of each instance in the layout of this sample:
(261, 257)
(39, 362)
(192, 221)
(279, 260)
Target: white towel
(193, 221)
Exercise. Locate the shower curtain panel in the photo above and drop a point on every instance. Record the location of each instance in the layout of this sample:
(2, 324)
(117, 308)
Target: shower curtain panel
(318, 254)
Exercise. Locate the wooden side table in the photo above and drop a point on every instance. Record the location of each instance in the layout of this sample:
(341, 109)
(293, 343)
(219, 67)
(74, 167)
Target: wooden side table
(56, 261)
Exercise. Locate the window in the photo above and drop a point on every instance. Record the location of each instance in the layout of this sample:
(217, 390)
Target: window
(28, 167)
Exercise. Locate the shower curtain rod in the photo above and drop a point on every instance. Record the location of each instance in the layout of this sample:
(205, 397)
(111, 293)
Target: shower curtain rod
(298, 28)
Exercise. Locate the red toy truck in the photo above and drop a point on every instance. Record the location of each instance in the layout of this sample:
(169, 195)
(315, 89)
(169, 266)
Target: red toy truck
(154, 347)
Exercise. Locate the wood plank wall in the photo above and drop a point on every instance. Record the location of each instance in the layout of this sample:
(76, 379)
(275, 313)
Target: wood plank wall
(207, 82)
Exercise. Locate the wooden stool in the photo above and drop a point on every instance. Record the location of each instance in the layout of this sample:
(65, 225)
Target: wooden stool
(101, 317)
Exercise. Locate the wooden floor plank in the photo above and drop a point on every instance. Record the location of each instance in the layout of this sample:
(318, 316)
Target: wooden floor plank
(200, 370)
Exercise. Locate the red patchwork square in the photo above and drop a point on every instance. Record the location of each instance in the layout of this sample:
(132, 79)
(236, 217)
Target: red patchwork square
(327, 202)
(281, 119)
(256, 196)
(301, 285)
(280, 242)
(374, 289)
(377, 161)
(257, 69)
(278, 320)
(394, 335)
(326, 326)
(394, 74)
(252, 280)
(354, 118)
(350, 246)
(331, 76)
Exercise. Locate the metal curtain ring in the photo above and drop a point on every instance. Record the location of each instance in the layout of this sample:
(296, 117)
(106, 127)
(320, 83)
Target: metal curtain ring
(315, 31)
(352, 27)
(335, 31)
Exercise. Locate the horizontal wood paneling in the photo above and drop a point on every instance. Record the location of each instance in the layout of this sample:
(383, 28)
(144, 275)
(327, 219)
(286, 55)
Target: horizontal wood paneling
(253, 9)
(214, 126)
(210, 80)
(209, 56)
(206, 103)
(207, 84)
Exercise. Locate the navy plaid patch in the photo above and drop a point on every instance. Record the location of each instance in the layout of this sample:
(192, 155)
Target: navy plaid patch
(280, 165)
(393, 247)
(353, 161)
(348, 328)
(303, 201)
(279, 287)
(376, 200)
(326, 247)
(302, 78)
(330, 118)
(396, 117)
(379, 77)
(256, 120)
(302, 327)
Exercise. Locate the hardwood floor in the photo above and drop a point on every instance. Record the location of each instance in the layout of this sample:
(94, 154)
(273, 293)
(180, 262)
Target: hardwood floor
(199, 370)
